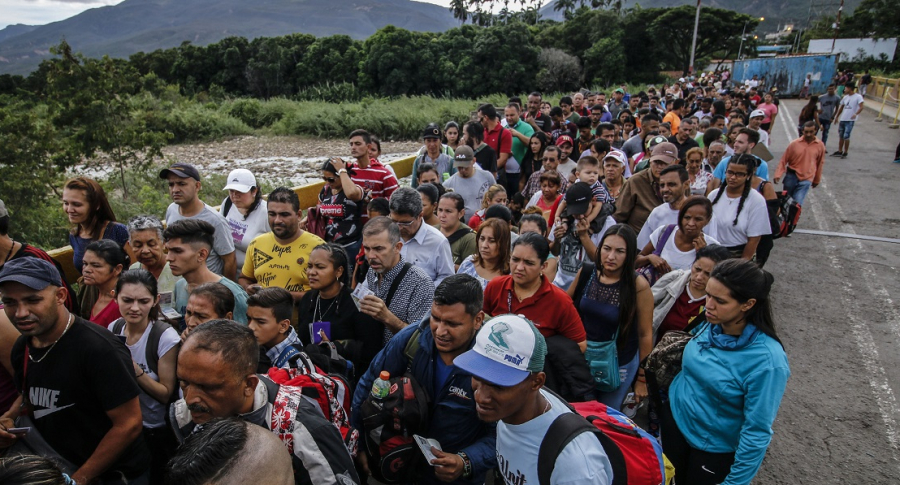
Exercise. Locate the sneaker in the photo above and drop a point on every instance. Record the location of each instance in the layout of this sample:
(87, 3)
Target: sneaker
(837, 153)
(844, 155)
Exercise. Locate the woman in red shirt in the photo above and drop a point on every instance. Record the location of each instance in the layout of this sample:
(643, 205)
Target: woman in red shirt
(103, 263)
(526, 291)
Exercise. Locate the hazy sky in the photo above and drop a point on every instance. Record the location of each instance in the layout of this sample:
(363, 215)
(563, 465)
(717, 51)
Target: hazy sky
(39, 12)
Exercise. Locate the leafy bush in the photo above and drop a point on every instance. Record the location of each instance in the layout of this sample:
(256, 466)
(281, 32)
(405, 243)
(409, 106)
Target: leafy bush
(199, 122)
(331, 92)
(559, 71)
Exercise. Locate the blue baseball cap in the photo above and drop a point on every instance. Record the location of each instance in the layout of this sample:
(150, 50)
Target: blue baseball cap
(507, 349)
(34, 273)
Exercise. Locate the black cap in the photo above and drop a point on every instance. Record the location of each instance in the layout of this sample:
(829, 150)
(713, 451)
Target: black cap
(183, 170)
(431, 131)
(578, 199)
(34, 273)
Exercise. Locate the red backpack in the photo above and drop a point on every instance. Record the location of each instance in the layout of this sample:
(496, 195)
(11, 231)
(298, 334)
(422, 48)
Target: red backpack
(636, 457)
(330, 392)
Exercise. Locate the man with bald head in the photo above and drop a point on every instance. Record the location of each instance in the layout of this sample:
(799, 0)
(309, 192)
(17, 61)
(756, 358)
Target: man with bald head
(217, 371)
(230, 451)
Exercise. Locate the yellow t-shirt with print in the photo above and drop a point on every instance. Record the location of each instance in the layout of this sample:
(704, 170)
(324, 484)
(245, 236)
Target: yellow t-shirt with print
(272, 264)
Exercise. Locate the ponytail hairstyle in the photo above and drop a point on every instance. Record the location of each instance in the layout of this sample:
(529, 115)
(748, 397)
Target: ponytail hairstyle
(748, 161)
(143, 278)
(745, 281)
(628, 280)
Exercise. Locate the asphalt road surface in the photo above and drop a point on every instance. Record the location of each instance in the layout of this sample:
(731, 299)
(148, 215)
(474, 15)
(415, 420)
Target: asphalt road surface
(837, 311)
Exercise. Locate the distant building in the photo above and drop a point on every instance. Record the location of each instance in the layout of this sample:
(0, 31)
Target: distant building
(851, 49)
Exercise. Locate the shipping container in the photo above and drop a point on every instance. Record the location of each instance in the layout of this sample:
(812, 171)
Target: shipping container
(787, 73)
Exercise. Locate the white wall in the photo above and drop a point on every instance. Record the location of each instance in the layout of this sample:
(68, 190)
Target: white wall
(850, 48)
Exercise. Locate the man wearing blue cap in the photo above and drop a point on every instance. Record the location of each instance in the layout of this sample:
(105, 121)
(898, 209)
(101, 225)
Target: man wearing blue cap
(507, 364)
(76, 382)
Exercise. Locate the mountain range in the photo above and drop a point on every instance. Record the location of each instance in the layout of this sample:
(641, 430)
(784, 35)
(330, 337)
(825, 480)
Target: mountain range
(146, 25)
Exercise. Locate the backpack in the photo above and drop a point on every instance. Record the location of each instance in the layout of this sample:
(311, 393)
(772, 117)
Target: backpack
(316, 223)
(389, 425)
(329, 392)
(636, 457)
(664, 361)
(151, 351)
(788, 215)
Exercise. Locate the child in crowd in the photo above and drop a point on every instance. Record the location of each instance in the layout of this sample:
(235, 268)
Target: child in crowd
(588, 171)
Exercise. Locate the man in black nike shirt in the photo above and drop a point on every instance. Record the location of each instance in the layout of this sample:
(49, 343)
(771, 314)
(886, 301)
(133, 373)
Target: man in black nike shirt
(76, 379)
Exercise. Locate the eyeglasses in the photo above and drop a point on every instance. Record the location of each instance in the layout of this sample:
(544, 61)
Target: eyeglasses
(403, 224)
(330, 180)
(545, 159)
(730, 173)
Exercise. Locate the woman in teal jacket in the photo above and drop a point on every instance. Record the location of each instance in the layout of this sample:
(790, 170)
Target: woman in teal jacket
(718, 422)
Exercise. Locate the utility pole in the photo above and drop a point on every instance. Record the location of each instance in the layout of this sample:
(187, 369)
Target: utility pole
(837, 26)
(694, 42)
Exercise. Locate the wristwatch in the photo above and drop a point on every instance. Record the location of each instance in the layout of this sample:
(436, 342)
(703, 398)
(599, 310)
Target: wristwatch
(343, 170)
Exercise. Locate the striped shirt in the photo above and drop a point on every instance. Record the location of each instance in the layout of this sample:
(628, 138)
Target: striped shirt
(376, 180)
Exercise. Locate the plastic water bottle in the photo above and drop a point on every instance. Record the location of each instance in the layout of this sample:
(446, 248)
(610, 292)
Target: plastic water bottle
(382, 386)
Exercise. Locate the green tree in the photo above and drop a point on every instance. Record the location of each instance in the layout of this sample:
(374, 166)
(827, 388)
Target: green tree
(31, 173)
(719, 31)
(88, 105)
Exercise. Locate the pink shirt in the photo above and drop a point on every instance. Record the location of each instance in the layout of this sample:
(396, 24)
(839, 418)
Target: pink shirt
(770, 109)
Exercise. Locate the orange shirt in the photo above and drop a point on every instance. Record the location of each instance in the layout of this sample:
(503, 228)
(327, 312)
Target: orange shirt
(806, 159)
(674, 119)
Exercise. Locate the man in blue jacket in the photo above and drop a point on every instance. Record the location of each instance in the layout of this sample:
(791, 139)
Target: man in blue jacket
(468, 444)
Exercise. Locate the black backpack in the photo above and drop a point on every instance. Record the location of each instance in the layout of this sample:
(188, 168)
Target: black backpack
(152, 350)
(389, 425)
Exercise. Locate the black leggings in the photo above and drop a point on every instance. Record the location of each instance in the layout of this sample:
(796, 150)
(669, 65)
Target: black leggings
(692, 466)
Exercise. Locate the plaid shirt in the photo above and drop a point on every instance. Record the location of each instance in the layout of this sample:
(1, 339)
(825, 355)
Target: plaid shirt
(276, 351)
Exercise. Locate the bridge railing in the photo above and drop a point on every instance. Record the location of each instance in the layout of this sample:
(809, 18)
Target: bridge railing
(308, 194)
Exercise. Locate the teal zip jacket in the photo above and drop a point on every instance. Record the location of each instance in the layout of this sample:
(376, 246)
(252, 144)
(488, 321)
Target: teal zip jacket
(727, 395)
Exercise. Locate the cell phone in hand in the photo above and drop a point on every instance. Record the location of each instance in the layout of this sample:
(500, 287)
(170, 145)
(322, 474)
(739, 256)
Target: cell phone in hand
(18, 431)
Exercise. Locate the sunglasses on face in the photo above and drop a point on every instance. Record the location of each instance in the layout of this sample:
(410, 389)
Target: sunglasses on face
(330, 180)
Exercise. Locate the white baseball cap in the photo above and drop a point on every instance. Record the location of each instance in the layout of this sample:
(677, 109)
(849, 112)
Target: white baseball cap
(507, 349)
(617, 156)
(758, 112)
(241, 179)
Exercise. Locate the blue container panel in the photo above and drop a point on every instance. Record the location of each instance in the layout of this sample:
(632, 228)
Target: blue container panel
(788, 73)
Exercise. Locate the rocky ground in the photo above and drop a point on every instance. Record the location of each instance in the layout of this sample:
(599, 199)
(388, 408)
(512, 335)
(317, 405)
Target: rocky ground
(274, 158)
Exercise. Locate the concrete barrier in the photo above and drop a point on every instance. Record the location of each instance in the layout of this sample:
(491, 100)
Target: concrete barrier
(308, 194)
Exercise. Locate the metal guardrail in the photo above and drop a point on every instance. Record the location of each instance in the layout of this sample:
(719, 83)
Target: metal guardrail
(308, 194)
(885, 93)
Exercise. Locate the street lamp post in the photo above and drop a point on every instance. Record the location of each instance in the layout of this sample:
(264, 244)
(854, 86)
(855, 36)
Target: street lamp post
(743, 34)
(694, 41)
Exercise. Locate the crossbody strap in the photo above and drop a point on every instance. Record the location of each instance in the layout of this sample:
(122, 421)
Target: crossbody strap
(396, 283)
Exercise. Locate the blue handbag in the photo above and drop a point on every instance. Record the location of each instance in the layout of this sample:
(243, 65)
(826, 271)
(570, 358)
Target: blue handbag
(603, 361)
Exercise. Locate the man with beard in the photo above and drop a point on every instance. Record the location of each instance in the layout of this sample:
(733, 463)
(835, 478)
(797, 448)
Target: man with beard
(279, 258)
(76, 380)
(674, 187)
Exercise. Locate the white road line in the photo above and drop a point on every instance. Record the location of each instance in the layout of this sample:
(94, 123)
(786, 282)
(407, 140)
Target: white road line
(877, 377)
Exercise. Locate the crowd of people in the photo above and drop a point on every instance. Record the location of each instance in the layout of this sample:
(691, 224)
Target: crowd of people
(530, 239)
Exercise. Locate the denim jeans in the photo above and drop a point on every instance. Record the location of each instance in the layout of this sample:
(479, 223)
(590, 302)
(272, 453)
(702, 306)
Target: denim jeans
(826, 124)
(795, 187)
(627, 371)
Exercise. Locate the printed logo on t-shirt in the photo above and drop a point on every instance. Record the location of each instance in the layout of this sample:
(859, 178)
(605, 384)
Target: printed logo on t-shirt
(238, 229)
(45, 398)
(509, 476)
(260, 258)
